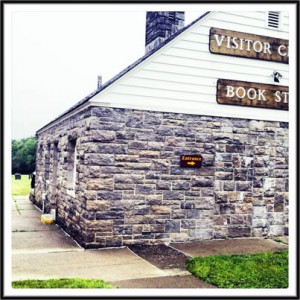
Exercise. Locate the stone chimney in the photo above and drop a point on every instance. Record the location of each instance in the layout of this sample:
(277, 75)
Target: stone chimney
(160, 25)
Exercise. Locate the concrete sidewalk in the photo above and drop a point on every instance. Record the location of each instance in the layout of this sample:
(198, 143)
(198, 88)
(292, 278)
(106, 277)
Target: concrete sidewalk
(43, 251)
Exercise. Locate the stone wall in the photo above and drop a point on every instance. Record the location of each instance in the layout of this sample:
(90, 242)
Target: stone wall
(130, 187)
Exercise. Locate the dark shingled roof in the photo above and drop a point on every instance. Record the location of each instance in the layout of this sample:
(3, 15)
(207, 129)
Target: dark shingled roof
(112, 80)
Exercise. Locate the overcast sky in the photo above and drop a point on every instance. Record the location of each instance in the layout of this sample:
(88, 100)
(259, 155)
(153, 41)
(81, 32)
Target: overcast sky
(57, 53)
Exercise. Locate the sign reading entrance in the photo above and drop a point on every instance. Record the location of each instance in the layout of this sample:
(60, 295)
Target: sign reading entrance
(191, 161)
(252, 94)
(248, 45)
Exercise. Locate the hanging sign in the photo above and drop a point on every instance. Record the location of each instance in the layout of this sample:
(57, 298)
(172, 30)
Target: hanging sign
(191, 161)
(252, 94)
(228, 42)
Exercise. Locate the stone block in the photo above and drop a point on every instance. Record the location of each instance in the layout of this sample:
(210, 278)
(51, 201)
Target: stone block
(239, 231)
(244, 208)
(100, 184)
(221, 220)
(256, 223)
(157, 228)
(279, 202)
(129, 179)
(205, 204)
(240, 174)
(109, 215)
(232, 148)
(220, 232)
(164, 131)
(173, 195)
(180, 185)
(124, 187)
(202, 181)
(102, 135)
(160, 209)
(112, 148)
(221, 197)
(223, 176)
(236, 219)
(259, 212)
(160, 164)
(163, 185)
(256, 125)
(243, 186)
(99, 225)
(96, 205)
(276, 230)
(226, 208)
(149, 154)
(261, 161)
(172, 226)
(134, 120)
(99, 159)
(140, 210)
(152, 119)
(175, 142)
(105, 195)
(114, 241)
(124, 135)
(229, 185)
(144, 189)
(137, 166)
(138, 145)
(269, 187)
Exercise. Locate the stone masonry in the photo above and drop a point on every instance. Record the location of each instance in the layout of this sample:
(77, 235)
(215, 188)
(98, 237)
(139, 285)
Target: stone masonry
(130, 188)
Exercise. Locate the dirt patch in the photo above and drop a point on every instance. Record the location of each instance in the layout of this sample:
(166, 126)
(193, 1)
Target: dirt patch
(161, 256)
(230, 247)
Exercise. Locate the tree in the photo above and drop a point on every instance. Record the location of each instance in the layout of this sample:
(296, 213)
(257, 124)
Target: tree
(23, 155)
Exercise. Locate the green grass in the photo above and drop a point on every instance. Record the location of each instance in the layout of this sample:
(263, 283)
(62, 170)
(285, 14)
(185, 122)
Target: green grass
(64, 283)
(262, 270)
(20, 187)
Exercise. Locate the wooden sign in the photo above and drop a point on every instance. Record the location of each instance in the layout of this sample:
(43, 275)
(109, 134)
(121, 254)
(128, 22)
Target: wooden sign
(191, 161)
(248, 45)
(252, 94)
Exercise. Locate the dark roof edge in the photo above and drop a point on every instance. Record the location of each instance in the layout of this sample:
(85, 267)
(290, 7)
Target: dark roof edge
(123, 72)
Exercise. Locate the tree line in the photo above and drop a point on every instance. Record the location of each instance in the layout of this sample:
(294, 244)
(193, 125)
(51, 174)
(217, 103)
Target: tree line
(23, 155)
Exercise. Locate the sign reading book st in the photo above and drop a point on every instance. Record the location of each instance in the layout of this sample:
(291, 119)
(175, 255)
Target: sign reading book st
(252, 94)
(228, 42)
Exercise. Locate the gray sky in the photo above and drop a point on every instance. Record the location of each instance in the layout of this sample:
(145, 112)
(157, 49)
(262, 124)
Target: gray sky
(57, 53)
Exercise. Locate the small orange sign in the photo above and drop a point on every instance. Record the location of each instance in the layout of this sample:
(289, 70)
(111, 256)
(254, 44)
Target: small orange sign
(191, 161)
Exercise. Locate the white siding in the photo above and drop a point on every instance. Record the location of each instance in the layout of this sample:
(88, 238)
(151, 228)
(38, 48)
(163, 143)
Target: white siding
(182, 75)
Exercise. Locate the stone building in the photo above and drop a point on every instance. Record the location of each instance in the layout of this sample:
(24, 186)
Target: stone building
(118, 168)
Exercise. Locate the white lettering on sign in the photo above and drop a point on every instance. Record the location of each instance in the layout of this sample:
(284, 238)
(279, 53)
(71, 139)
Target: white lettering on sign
(283, 50)
(241, 92)
(254, 94)
(279, 95)
(248, 45)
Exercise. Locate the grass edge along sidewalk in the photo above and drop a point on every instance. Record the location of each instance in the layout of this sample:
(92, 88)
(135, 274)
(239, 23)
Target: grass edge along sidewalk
(261, 270)
(62, 283)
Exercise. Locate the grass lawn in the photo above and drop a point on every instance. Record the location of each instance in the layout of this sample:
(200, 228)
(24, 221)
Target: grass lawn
(262, 270)
(64, 283)
(20, 187)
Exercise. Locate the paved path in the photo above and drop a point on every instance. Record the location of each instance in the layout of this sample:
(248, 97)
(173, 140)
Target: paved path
(43, 251)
